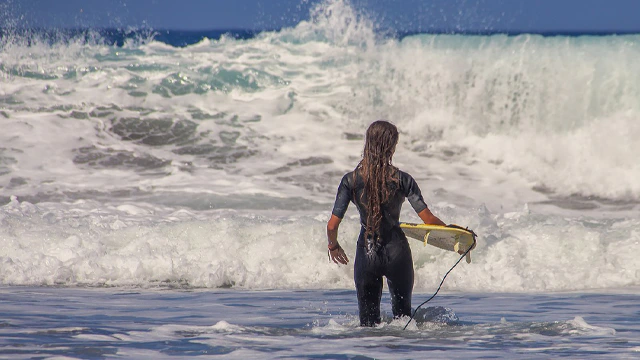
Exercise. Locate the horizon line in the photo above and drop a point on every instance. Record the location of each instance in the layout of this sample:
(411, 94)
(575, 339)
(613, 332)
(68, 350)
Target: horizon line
(403, 33)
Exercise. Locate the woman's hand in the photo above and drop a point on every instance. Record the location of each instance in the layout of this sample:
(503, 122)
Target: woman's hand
(335, 250)
(338, 256)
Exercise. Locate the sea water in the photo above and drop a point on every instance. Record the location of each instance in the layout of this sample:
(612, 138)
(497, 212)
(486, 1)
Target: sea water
(46, 322)
(163, 201)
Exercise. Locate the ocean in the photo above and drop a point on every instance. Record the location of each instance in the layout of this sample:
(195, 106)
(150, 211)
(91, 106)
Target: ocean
(165, 194)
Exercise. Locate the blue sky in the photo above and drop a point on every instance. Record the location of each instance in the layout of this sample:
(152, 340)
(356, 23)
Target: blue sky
(405, 15)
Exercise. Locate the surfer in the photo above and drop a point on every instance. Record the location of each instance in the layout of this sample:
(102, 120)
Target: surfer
(378, 189)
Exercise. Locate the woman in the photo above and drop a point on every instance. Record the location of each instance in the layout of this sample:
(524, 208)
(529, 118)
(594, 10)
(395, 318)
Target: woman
(378, 189)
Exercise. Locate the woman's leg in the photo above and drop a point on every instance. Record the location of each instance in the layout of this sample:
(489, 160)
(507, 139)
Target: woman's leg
(399, 273)
(368, 279)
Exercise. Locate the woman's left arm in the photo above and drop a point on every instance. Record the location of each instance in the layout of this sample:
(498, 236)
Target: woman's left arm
(428, 218)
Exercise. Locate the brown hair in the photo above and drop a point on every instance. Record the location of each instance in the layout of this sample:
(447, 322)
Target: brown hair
(377, 171)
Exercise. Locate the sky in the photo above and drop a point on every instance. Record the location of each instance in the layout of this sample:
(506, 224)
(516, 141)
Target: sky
(593, 16)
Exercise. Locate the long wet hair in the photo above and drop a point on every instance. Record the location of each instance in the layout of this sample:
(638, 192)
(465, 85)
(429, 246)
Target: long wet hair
(377, 172)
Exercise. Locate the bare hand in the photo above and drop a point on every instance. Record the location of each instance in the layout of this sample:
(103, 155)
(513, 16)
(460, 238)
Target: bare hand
(338, 256)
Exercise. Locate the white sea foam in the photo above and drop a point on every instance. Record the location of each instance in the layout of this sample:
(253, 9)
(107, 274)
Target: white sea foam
(583, 328)
(81, 244)
(216, 164)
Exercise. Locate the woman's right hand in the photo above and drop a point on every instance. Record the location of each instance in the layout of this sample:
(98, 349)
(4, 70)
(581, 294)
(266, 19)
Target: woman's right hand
(338, 256)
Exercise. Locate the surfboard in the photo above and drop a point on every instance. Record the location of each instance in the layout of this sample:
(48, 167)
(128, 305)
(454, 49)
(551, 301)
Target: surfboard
(443, 237)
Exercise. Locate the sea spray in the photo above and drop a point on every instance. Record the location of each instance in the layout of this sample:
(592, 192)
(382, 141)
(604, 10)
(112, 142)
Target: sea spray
(216, 164)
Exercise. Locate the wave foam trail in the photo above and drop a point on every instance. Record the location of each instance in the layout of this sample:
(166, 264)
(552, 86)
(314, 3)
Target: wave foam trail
(142, 245)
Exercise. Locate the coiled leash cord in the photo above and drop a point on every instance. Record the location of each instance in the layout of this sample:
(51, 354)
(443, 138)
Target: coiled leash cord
(442, 282)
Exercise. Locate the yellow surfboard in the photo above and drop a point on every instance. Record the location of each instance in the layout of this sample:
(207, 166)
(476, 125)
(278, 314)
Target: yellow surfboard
(443, 237)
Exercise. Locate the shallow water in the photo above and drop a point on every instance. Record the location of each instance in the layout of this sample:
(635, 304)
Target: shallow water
(52, 322)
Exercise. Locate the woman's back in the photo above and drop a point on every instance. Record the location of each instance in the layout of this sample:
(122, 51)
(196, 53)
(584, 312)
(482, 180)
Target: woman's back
(352, 188)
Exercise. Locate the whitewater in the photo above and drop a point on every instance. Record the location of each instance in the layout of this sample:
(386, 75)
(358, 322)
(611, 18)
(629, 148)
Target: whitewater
(212, 168)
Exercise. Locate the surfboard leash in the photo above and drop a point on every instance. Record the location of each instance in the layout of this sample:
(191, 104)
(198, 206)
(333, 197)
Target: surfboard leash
(442, 282)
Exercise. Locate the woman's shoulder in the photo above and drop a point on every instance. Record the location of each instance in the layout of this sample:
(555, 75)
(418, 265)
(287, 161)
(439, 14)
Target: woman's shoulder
(352, 179)
(348, 177)
(350, 174)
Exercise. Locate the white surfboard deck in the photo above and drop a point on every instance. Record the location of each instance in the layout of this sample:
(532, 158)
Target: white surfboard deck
(443, 237)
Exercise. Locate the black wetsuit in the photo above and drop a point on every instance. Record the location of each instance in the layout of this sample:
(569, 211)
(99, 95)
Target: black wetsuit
(392, 258)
